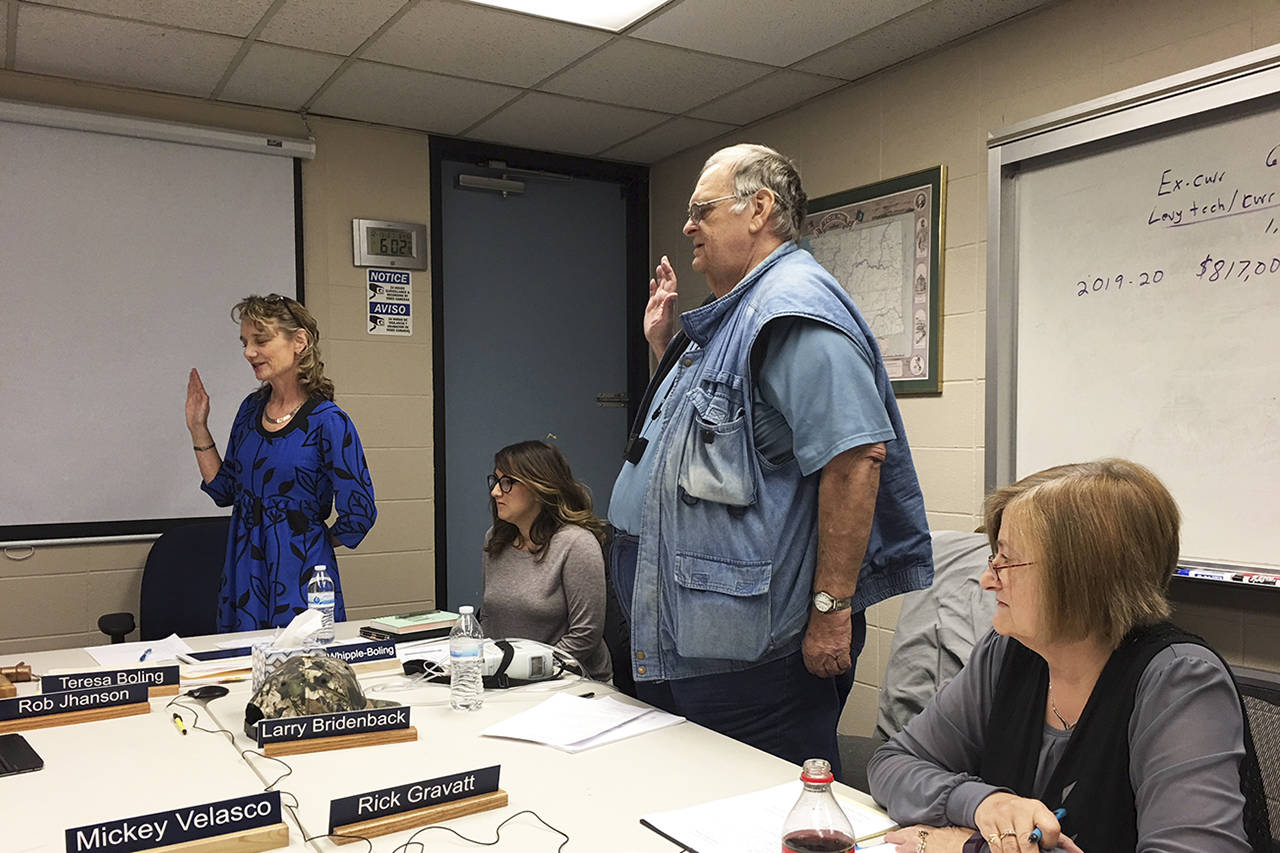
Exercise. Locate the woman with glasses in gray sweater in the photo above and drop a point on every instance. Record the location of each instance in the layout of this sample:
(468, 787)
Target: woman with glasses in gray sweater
(543, 565)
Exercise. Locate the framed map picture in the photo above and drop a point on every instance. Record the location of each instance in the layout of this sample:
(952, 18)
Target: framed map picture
(883, 242)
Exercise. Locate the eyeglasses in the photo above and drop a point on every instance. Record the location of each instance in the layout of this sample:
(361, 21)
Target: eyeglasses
(698, 210)
(504, 483)
(273, 298)
(996, 570)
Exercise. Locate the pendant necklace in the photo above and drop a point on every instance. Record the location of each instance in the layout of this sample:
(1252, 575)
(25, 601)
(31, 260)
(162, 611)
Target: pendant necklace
(1054, 708)
(283, 418)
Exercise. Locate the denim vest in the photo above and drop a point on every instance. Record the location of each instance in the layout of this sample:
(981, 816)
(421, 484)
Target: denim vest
(728, 540)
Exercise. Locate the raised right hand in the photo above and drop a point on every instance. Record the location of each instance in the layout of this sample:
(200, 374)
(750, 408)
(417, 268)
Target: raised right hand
(660, 312)
(197, 404)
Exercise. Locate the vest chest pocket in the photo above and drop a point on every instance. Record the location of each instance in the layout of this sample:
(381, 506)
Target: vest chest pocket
(721, 607)
(717, 463)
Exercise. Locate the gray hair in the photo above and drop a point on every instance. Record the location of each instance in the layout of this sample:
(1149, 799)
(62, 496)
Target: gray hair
(757, 167)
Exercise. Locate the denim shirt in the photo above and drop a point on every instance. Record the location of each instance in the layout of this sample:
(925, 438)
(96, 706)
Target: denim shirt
(728, 541)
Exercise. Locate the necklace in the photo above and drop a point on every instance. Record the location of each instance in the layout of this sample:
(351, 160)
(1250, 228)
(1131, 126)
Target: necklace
(283, 418)
(1054, 708)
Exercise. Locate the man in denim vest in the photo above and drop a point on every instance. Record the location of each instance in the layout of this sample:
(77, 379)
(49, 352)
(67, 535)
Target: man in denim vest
(768, 497)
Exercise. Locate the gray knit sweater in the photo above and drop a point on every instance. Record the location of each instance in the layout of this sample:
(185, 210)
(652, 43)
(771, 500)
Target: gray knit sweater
(557, 600)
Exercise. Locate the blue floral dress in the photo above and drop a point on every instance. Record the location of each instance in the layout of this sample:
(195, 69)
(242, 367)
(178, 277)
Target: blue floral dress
(282, 486)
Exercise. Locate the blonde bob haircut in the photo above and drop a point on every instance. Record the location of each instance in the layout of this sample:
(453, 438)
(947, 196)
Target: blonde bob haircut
(1105, 534)
(562, 499)
(282, 314)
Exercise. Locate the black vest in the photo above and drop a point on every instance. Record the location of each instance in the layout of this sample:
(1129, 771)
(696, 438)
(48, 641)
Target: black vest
(1101, 816)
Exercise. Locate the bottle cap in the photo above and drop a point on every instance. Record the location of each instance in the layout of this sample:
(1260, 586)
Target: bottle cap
(321, 568)
(466, 610)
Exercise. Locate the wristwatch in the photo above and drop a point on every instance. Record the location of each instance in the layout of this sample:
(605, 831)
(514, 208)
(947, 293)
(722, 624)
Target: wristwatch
(825, 602)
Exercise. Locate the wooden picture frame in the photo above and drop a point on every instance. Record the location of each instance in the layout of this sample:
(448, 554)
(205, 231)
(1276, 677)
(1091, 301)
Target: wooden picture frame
(883, 242)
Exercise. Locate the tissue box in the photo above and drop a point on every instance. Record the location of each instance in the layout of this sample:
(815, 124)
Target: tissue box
(266, 659)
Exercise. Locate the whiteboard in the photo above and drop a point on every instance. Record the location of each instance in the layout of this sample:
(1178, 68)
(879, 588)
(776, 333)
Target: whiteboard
(1141, 311)
(120, 259)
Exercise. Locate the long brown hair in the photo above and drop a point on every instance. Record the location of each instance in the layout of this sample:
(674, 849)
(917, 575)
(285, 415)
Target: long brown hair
(286, 315)
(561, 499)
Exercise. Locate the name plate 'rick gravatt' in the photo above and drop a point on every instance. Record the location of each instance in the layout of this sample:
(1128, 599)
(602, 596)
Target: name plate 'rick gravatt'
(151, 676)
(189, 823)
(66, 701)
(332, 725)
(417, 795)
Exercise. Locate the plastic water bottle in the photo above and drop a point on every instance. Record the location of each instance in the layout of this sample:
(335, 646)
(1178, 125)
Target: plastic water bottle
(816, 823)
(320, 596)
(466, 662)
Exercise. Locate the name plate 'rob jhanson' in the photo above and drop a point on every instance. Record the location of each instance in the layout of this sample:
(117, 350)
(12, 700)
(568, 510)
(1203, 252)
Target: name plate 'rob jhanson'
(332, 725)
(151, 676)
(417, 795)
(72, 700)
(190, 823)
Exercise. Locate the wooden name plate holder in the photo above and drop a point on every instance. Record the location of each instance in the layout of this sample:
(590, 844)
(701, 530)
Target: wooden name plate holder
(7, 690)
(248, 841)
(418, 817)
(68, 718)
(323, 744)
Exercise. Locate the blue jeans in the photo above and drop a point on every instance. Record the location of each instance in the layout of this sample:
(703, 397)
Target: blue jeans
(778, 707)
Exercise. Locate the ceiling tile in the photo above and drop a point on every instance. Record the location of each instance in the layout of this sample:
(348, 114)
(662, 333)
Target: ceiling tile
(123, 53)
(764, 31)
(653, 76)
(551, 123)
(912, 34)
(282, 77)
(666, 139)
(370, 91)
(779, 91)
(476, 41)
(329, 26)
(232, 17)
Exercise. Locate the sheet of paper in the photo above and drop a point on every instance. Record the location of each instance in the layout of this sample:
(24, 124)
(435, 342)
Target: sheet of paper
(563, 720)
(122, 655)
(752, 823)
(647, 722)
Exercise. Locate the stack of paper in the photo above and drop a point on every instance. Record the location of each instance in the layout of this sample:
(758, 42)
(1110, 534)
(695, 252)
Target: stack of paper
(572, 723)
(752, 823)
(145, 653)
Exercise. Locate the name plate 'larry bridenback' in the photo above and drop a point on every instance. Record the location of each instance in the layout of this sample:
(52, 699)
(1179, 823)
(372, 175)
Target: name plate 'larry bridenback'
(332, 725)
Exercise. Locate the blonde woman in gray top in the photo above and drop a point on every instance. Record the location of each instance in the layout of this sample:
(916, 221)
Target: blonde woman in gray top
(543, 565)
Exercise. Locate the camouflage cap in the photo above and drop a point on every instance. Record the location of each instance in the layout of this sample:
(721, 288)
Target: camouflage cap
(306, 685)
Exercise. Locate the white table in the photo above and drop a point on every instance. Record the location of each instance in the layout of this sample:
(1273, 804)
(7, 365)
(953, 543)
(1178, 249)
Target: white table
(597, 796)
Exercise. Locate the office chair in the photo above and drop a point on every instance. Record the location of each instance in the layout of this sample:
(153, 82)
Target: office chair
(1261, 694)
(179, 585)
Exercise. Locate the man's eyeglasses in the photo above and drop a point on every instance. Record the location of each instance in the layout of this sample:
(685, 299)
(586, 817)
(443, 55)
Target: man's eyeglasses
(698, 210)
(503, 483)
(996, 570)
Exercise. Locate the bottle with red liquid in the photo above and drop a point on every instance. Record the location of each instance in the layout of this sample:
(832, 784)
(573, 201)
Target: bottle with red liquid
(816, 823)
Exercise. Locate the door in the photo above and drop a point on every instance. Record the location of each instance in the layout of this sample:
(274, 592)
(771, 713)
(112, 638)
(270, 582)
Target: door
(533, 325)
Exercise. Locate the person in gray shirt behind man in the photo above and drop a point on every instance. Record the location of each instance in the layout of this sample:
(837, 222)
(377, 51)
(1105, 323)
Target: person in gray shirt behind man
(768, 497)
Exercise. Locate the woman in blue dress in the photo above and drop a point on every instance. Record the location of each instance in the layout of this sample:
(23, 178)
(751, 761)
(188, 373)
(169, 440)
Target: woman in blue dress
(292, 456)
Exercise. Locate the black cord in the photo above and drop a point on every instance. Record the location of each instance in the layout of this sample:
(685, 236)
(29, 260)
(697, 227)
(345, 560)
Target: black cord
(497, 833)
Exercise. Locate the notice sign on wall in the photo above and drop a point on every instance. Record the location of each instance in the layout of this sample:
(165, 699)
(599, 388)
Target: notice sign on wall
(390, 302)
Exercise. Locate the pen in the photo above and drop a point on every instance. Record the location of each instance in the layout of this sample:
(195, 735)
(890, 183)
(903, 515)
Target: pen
(144, 656)
(585, 695)
(1034, 838)
(181, 726)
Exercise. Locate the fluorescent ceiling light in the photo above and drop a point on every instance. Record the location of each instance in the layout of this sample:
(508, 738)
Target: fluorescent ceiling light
(613, 15)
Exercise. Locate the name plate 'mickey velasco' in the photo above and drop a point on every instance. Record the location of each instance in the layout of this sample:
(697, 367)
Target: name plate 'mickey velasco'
(174, 827)
(72, 700)
(151, 676)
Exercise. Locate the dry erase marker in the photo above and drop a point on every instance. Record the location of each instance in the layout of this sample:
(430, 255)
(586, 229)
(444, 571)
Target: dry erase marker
(1034, 838)
(181, 726)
